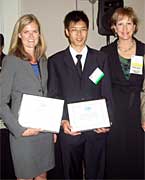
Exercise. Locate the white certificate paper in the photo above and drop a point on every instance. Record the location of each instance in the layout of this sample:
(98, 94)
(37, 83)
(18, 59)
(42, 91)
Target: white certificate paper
(41, 112)
(88, 115)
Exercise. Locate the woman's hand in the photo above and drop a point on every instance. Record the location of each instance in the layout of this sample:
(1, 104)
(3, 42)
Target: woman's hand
(143, 126)
(31, 132)
(54, 138)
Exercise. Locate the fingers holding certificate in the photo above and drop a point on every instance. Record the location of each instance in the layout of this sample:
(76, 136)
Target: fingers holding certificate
(67, 128)
(89, 115)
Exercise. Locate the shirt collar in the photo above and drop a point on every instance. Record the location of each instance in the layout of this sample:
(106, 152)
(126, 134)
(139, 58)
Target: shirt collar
(83, 53)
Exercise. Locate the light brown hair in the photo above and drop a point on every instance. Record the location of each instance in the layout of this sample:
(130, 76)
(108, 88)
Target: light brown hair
(120, 13)
(16, 47)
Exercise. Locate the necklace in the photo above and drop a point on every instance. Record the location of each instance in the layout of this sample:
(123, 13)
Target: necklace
(126, 50)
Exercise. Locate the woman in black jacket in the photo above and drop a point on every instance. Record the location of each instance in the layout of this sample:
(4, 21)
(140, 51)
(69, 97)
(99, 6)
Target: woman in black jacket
(125, 155)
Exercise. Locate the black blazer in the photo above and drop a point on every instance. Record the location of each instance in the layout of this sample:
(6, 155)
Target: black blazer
(64, 81)
(117, 76)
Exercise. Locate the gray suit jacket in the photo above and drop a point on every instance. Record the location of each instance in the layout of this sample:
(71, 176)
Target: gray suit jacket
(35, 153)
(17, 78)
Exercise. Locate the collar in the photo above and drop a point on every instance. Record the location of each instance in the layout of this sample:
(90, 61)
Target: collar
(83, 53)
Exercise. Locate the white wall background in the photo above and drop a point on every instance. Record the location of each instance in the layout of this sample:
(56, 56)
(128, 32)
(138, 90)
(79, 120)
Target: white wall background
(51, 15)
(9, 13)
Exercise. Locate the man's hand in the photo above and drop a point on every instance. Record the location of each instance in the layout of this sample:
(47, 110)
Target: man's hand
(67, 128)
(143, 126)
(102, 130)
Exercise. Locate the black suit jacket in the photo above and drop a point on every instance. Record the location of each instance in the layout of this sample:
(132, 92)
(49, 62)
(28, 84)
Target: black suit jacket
(64, 81)
(126, 93)
(117, 76)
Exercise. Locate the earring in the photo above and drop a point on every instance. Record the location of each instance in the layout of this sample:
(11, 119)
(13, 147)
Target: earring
(115, 34)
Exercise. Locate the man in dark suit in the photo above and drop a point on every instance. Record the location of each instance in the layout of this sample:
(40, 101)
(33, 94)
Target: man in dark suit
(83, 153)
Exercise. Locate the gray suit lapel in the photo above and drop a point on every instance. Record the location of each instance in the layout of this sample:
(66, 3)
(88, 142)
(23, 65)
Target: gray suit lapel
(43, 73)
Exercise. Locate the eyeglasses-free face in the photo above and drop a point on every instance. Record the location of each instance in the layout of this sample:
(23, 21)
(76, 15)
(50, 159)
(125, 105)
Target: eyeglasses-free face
(124, 28)
(29, 36)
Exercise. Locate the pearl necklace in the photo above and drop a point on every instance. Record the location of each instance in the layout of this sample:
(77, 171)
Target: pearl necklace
(125, 50)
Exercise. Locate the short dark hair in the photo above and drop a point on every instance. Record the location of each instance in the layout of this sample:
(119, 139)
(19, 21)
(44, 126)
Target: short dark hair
(1, 40)
(75, 16)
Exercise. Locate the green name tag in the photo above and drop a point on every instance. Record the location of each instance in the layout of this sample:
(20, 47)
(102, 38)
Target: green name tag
(96, 76)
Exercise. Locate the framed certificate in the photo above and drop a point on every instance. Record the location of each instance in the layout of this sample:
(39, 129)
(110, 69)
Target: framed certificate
(41, 112)
(88, 115)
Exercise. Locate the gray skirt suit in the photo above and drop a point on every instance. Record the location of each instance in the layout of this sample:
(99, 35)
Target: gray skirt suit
(31, 155)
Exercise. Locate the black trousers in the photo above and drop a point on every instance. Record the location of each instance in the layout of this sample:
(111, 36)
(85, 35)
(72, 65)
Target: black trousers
(83, 155)
(6, 165)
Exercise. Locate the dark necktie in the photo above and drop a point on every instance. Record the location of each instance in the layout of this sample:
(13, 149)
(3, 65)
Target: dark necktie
(79, 65)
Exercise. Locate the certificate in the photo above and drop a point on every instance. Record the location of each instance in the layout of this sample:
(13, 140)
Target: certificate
(41, 112)
(88, 115)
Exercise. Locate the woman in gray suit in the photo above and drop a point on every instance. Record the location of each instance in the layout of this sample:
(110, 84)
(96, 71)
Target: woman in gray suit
(25, 72)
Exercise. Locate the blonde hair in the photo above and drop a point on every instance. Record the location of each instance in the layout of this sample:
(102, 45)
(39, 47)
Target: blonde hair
(120, 13)
(16, 47)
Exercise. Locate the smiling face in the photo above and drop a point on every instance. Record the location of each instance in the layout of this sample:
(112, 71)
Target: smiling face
(29, 36)
(124, 28)
(77, 34)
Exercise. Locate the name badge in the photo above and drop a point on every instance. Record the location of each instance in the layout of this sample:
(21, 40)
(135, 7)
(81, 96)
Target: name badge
(96, 76)
(136, 65)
